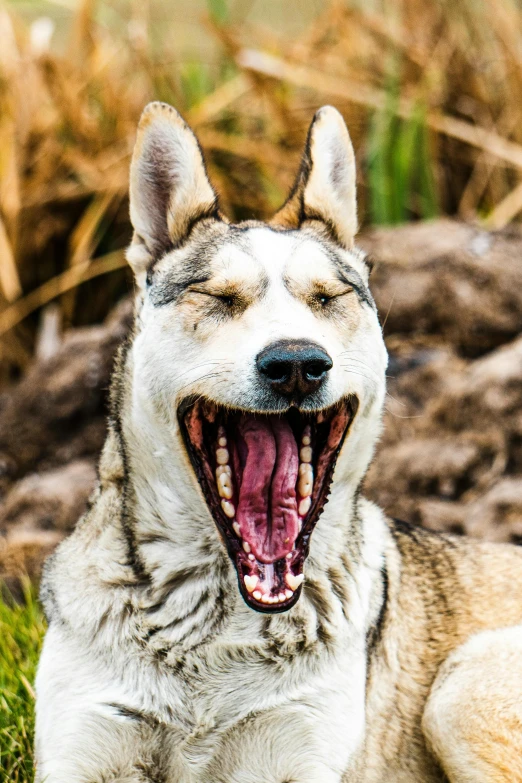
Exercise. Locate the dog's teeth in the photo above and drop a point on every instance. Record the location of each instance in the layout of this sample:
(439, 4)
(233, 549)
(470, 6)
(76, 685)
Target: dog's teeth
(289, 593)
(265, 599)
(236, 528)
(251, 557)
(225, 492)
(247, 547)
(250, 582)
(282, 597)
(228, 508)
(273, 599)
(222, 456)
(222, 470)
(289, 555)
(304, 506)
(305, 484)
(306, 439)
(224, 485)
(222, 442)
(305, 454)
(293, 581)
(257, 595)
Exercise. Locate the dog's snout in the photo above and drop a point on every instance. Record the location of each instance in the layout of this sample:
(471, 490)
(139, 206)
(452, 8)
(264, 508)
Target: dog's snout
(294, 368)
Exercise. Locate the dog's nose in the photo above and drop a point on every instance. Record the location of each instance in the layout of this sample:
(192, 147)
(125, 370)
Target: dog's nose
(294, 368)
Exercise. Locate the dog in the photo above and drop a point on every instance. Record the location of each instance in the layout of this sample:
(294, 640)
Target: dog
(231, 609)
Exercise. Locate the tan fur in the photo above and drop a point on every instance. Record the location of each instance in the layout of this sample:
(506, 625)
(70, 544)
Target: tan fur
(426, 692)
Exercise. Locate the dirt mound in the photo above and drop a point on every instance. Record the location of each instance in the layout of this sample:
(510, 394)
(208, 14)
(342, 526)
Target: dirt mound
(450, 299)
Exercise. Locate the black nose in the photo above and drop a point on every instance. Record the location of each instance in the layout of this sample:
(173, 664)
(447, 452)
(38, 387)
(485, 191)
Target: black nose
(294, 368)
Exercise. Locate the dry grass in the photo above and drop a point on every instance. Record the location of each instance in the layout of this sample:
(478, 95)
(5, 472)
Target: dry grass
(429, 89)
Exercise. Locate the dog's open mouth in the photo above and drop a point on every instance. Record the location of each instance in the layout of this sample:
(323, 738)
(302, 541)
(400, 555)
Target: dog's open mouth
(266, 479)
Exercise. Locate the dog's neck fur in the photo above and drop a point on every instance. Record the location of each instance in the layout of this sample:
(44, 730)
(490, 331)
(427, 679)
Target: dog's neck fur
(191, 595)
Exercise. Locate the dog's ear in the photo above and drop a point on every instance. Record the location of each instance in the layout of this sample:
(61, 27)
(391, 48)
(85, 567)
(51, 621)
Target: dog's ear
(169, 187)
(325, 187)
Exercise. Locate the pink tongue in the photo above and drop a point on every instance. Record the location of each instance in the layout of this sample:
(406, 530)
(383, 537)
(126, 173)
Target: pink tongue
(267, 508)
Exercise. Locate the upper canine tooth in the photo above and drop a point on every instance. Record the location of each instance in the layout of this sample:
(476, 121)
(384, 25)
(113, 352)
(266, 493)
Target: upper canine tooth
(304, 506)
(251, 582)
(293, 581)
(305, 454)
(222, 456)
(228, 508)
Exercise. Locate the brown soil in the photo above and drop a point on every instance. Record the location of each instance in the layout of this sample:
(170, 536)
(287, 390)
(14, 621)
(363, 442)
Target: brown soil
(450, 458)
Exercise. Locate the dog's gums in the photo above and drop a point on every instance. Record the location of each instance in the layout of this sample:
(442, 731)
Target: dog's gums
(266, 479)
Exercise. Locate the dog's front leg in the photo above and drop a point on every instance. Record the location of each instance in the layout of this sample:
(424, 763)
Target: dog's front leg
(473, 717)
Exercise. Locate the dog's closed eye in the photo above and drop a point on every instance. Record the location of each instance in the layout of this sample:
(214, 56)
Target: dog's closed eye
(321, 299)
(228, 299)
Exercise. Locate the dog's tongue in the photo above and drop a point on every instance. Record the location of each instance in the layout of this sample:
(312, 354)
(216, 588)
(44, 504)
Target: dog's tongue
(267, 508)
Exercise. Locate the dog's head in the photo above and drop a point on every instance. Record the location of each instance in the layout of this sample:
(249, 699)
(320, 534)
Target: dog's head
(260, 343)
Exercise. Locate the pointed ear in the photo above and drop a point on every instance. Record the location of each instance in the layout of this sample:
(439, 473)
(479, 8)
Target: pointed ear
(325, 187)
(169, 187)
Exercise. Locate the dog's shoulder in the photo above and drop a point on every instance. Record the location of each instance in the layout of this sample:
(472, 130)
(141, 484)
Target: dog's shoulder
(463, 584)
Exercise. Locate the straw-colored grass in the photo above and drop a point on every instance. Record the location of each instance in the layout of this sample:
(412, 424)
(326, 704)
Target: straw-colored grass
(429, 89)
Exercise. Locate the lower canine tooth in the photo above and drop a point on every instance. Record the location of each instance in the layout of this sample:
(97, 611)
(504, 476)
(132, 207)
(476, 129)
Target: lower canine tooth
(304, 506)
(251, 582)
(228, 508)
(293, 581)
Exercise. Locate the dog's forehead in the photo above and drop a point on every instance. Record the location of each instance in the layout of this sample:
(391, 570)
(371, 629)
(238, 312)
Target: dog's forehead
(272, 254)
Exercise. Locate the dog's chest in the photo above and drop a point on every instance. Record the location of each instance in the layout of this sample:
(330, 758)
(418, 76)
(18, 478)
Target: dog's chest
(260, 720)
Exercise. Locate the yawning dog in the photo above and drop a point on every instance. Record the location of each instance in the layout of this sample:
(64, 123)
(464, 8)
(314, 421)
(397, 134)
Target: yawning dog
(231, 609)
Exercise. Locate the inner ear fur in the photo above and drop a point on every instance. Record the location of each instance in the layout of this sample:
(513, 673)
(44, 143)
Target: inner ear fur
(325, 187)
(169, 187)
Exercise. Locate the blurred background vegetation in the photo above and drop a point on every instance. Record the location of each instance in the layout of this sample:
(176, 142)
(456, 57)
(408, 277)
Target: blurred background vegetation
(429, 88)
